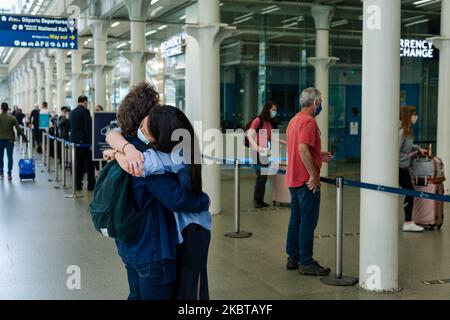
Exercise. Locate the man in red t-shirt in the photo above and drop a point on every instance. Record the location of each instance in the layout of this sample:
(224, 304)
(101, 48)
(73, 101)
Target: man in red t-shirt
(305, 159)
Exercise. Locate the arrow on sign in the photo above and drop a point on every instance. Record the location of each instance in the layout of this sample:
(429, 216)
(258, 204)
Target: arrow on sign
(72, 37)
(72, 45)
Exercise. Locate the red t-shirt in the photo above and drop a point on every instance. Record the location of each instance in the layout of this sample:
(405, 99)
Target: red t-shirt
(302, 129)
(264, 134)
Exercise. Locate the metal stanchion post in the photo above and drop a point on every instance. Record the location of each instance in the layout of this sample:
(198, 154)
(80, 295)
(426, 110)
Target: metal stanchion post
(74, 190)
(55, 158)
(338, 279)
(48, 153)
(237, 206)
(63, 163)
(44, 145)
(30, 149)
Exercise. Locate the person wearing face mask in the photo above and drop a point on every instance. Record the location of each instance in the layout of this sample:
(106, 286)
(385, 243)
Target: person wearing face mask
(408, 151)
(259, 136)
(305, 159)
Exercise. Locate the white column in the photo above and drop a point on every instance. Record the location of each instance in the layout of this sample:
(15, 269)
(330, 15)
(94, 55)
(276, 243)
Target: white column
(61, 57)
(209, 33)
(322, 17)
(443, 119)
(26, 86)
(138, 56)
(49, 63)
(99, 30)
(39, 78)
(379, 149)
(77, 75)
(32, 83)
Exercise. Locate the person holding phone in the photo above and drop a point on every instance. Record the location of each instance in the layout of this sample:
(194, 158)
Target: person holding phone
(305, 159)
(408, 151)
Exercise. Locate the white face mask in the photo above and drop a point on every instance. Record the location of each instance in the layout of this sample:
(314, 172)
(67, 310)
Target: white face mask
(414, 119)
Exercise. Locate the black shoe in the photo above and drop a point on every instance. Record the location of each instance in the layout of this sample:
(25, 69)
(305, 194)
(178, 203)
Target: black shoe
(292, 263)
(314, 269)
(260, 204)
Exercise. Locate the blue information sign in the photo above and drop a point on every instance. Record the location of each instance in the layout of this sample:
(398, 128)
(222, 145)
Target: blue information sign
(38, 32)
(102, 122)
(44, 121)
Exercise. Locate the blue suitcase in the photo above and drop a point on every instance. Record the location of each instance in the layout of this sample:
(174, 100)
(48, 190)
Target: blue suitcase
(27, 169)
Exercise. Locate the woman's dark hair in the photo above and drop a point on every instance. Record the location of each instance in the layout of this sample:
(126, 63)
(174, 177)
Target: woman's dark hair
(162, 123)
(135, 107)
(265, 113)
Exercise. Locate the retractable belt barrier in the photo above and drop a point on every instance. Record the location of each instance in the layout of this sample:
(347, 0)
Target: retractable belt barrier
(338, 279)
(64, 145)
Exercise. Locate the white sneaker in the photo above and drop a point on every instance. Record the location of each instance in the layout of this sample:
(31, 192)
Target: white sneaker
(412, 227)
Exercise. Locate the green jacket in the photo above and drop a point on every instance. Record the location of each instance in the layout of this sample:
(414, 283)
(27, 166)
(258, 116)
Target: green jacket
(7, 123)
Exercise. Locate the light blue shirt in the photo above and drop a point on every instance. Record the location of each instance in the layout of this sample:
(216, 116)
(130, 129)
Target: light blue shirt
(157, 162)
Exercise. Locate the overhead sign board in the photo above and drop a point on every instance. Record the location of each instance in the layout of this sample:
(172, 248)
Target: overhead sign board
(38, 32)
(416, 49)
(175, 46)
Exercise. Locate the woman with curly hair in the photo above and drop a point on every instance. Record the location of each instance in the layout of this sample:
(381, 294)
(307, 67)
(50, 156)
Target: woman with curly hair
(151, 258)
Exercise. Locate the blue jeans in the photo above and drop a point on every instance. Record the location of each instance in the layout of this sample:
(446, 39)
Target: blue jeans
(304, 217)
(9, 146)
(151, 281)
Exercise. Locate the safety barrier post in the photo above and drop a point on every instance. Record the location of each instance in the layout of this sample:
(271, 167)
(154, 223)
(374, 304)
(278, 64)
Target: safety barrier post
(74, 189)
(44, 146)
(48, 153)
(338, 279)
(55, 158)
(237, 206)
(63, 163)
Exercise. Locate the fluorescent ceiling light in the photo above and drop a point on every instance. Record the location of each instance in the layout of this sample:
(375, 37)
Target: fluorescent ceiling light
(427, 3)
(182, 18)
(270, 9)
(413, 18)
(151, 32)
(162, 27)
(298, 19)
(115, 24)
(122, 45)
(416, 22)
(421, 2)
(339, 23)
(242, 20)
(8, 55)
(153, 2)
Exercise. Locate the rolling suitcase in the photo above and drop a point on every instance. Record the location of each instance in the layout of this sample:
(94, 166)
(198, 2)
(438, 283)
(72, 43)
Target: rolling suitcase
(429, 213)
(27, 169)
(280, 192)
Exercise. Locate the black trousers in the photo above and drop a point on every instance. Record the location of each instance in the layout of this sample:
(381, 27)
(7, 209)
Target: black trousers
(261, 180)
(84, 164)
(406, 183)
(192, 259)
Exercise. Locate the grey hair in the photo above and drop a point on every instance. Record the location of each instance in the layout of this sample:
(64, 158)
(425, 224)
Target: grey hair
(308, 97)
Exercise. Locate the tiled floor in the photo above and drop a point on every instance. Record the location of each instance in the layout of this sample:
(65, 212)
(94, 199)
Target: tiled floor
(42, 234)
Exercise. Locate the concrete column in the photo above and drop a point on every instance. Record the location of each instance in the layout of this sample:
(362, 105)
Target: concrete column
(322, 17)
(99, 30)
(250, 95)
(49, 64)
(77, 75)
(32, 82)
(61, 81)
(39, 78)
(26, 86)
(443, 127)
(138, 56)
(207, 36)
(379, 148)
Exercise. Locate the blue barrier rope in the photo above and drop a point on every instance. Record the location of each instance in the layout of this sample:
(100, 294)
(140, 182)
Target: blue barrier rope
(361, 185)
(68, 142)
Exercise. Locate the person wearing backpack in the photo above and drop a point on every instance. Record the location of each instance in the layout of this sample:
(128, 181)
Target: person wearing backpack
(193, 229)
(259, 135)
(150, 258)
